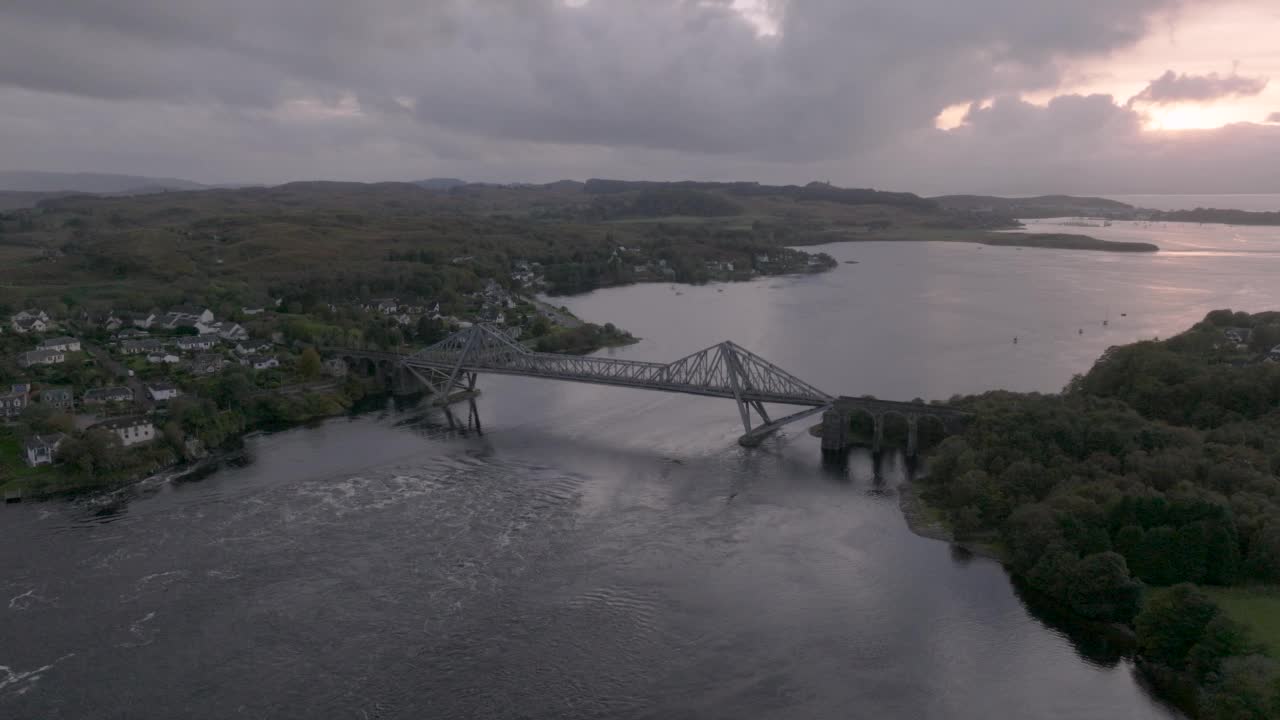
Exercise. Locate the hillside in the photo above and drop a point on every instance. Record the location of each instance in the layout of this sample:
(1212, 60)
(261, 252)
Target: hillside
(15, 199)
(348, 240)
(30, 181)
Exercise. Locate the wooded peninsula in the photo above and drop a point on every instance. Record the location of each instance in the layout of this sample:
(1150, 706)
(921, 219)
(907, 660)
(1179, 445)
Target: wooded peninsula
(1145, 494)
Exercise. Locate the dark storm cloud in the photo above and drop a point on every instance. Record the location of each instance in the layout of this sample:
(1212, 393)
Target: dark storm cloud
(540, 89)
(1172, 88)
(676, 74)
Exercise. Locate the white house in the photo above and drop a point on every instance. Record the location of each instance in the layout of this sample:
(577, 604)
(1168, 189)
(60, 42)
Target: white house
(41, 357)
(62, 344)
(31, 315)
(230, 331)
(130, 430)
(192, 343)
(24, 323)
(163, 358)
(142, 320)
(261, 362)
(163, 391)
(248, 346)
(195, 313)
(41, 449)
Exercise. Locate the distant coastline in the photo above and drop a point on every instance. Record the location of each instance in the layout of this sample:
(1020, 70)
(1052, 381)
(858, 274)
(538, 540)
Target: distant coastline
(994, 238)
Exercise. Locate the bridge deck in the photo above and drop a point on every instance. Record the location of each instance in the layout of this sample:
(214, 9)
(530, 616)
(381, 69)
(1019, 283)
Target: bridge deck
(725, 370)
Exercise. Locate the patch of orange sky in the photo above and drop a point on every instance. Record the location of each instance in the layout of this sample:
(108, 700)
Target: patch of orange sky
(1240, 35)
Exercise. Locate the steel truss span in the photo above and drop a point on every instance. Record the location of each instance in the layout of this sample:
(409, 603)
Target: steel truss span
(725, 370)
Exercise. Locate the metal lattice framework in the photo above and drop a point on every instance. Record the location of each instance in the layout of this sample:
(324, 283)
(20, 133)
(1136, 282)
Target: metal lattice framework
(725, 370)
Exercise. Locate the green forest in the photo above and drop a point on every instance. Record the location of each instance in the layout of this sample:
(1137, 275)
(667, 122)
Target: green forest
(1138, 495)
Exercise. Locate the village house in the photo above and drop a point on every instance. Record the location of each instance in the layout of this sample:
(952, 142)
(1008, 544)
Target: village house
(194, 313)
(130, 430)
(101, 396)
(229, 330)
(386, 306)
(112, 322)
(41, 449)
(29, 321)
(61, 398)
(1274, 354)
(131, 334)
(163, 357)
(173, 321)
(252, 310)
(41, 357)
(22, 315)
(193, 343)
(162, 391)
(1239, 336)
(207, 364)
(13, 402)
(260, 362)
(249, 346)
(62, 344)
(143, 320)
(138, 347)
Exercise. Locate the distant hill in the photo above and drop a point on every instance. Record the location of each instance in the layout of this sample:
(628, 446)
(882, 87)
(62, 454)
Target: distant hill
(666, 202)
(814, 191)
(1216, 215)
(439, 183)
(15, 199)
(99, 183)
(1036, 207)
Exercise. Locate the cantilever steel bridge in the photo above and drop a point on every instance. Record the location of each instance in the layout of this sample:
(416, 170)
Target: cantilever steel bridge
(725, 370)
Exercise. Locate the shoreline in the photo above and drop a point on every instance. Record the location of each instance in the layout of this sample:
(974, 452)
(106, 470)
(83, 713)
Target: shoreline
(923, 521)
(1012, 237)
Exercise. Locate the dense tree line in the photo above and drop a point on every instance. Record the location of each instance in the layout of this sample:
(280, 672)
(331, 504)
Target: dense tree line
(1157, 468)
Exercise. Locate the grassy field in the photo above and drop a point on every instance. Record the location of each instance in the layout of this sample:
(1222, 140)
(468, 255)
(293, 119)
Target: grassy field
(1258, 608)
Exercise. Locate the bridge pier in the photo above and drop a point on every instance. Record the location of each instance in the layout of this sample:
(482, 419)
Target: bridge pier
(877, 443)
(913, 435)
(835, 431)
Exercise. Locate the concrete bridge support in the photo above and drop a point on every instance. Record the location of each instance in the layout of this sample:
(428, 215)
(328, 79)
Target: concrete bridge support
(835, 431)
(836, 422)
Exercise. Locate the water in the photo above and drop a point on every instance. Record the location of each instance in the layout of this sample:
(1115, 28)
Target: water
(610, 553)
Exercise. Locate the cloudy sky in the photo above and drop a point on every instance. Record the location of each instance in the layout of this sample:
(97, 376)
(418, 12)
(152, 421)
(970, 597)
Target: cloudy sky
(1013, 96)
